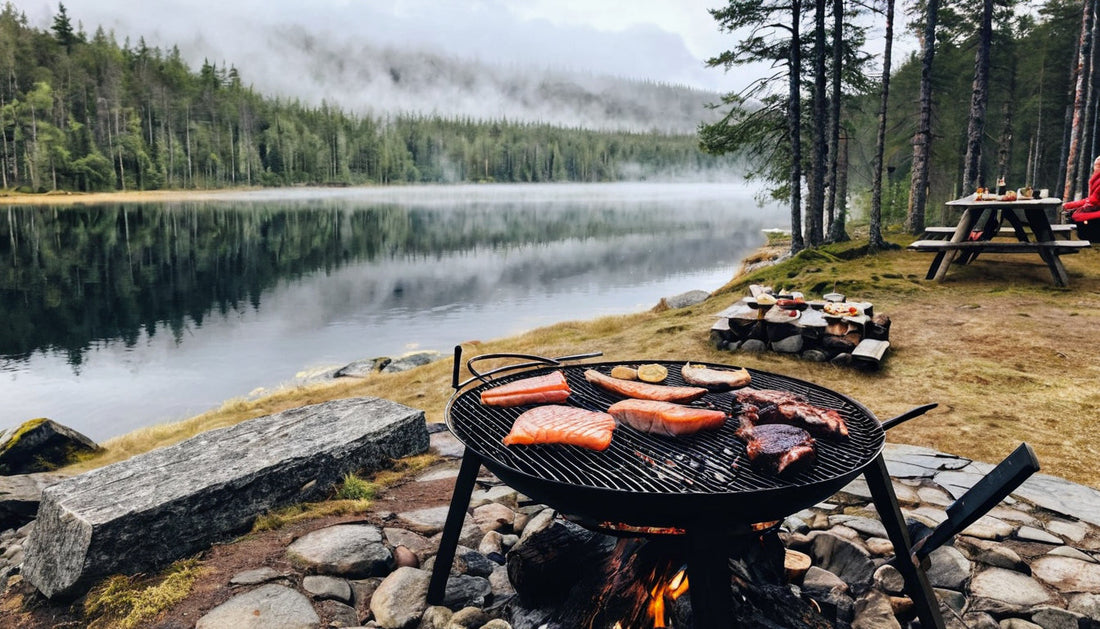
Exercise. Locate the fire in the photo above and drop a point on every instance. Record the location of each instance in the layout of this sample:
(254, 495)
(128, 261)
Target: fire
(663, 593)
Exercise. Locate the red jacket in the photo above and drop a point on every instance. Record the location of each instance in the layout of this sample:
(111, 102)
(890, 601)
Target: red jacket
(1091, 202)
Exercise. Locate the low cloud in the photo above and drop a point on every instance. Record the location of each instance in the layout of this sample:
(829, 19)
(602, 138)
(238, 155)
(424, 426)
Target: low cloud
(475, 59)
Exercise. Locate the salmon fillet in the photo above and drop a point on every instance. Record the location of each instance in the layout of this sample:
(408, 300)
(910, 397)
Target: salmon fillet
(665, 418)
(562, 424)
(644, 390)
(547, 388)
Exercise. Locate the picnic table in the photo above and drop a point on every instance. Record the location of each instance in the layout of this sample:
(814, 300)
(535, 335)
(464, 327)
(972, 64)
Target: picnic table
(981, 221)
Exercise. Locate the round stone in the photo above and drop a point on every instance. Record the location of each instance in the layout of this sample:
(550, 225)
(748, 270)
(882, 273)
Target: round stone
(254, 577)
(949, 569)
(326, 587)
(1008, 587)
(889, 579)
(267, 607)
(347, 550)
(494, 517)
(403, 557)
(1067, 574)
(401, 598)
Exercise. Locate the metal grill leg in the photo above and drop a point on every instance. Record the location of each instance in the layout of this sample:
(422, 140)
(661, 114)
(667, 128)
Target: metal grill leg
(916, 581)
(460, 501)
(708, 569)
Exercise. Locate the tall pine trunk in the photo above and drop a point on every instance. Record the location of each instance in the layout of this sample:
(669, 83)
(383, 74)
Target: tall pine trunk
(794, 126)
(875, 241)
(815, 214)
(1067, 121)
(1085, 50)
(4, 133)
(836, 221)
(1008, 111)
(1088, 131)
(922, 141)
(842, 186)
(979, 98)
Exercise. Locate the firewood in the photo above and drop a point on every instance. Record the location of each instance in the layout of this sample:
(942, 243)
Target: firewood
(795, 564)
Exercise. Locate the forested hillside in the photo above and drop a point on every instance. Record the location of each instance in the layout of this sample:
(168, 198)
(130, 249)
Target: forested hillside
(83, 112)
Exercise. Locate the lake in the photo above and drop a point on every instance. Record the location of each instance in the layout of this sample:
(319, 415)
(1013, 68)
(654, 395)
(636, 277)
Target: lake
(119, 316)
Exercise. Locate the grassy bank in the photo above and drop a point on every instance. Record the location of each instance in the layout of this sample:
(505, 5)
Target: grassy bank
(1008, 356)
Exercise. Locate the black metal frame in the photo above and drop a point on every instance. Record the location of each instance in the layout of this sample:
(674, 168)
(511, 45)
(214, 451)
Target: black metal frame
(708, 568)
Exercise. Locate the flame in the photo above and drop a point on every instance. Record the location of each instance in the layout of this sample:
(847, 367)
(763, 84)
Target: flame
(664, 592)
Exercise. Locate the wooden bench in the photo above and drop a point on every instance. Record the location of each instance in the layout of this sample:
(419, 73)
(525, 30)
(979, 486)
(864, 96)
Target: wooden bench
(993, 246)
(945, 233)
(967, 250)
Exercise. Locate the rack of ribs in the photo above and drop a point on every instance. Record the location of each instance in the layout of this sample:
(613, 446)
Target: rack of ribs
(767, 406)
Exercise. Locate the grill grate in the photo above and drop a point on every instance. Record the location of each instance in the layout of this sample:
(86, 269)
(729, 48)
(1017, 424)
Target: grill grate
(712, 462)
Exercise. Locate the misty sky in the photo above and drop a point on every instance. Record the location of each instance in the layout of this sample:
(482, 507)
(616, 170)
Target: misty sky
(665, 41)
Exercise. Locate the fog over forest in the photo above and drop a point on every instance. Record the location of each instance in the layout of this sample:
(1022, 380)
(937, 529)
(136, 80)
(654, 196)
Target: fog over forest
(457, 59)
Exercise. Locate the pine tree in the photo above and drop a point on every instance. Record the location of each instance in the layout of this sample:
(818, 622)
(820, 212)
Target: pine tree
(63, 29)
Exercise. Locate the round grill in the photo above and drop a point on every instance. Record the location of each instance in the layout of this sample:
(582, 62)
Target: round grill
(651, 480)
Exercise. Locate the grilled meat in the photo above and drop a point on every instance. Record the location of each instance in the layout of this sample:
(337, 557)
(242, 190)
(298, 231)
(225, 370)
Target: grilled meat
(665, 418)
(720, 379)
(766, 406)
(778, 448)
(644, 390)
(562, 424)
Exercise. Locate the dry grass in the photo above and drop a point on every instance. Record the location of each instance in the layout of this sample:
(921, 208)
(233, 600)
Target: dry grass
(124, 602)
(1008, 356)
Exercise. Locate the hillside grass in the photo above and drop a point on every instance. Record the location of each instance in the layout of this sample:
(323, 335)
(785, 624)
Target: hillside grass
(1008, 356)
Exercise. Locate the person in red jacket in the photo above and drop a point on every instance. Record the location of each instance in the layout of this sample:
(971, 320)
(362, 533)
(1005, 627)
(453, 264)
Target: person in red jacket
(1090, 203)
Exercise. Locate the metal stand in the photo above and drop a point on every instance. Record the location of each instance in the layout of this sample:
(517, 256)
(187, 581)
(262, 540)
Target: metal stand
(916, 581)
(452, 528)
(708, 568)
(708, 564)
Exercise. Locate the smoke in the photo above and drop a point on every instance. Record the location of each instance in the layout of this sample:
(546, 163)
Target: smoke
(474, 58)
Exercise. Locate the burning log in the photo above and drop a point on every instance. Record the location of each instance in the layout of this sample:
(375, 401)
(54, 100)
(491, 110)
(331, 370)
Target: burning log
(545, 565)
(646, 584)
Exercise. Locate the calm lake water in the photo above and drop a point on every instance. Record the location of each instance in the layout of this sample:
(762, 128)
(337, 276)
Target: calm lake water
(120, 316)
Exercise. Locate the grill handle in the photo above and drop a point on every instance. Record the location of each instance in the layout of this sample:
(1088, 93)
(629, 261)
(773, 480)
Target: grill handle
(907, 415)
(983, 496)
(533, 361)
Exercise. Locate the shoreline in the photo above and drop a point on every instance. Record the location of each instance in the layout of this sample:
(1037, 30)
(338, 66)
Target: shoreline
(118, 196)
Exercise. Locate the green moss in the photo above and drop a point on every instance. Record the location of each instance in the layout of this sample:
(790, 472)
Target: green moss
(123, 602)
(22, 430)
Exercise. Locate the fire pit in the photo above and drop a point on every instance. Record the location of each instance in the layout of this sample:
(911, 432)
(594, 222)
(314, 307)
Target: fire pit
(700, 486)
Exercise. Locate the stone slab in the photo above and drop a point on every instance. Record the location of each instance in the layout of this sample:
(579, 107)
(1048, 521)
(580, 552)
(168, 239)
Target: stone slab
(1061, 496)
(20, 495)
(145, 512)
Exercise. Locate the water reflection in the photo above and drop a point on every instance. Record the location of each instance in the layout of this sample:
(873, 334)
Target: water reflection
(151, 312)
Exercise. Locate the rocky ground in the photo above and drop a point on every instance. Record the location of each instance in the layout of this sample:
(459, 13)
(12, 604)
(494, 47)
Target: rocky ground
(1031, 562)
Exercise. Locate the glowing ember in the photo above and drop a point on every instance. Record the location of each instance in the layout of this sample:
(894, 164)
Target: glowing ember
(620, 527)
